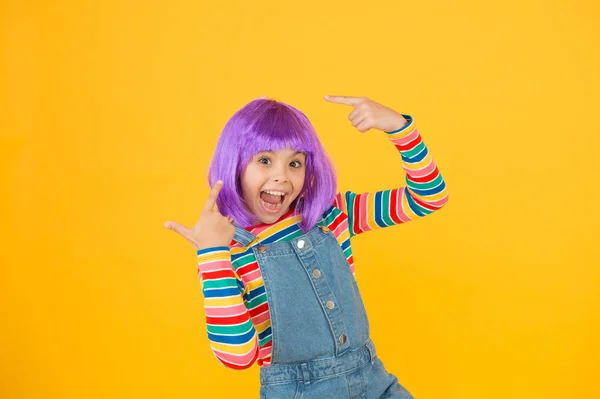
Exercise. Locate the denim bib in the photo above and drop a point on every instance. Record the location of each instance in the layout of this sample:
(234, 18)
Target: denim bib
(320, 329)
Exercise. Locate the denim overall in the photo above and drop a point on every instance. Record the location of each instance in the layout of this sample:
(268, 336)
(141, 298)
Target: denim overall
(321, 345)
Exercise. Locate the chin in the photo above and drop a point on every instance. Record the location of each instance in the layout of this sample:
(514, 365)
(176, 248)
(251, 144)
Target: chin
(272, 218)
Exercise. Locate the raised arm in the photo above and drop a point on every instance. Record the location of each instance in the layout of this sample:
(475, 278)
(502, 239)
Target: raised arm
(425, 190)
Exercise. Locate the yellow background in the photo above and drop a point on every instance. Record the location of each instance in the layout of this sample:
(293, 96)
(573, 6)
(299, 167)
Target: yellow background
(109, 114)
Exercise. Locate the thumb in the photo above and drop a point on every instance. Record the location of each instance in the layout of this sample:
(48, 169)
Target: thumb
(176, 227)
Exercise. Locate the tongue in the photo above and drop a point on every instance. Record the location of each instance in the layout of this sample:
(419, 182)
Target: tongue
(271, 199)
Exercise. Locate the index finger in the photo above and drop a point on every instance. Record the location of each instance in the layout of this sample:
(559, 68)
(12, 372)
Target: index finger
(211, 201)
(346, 100)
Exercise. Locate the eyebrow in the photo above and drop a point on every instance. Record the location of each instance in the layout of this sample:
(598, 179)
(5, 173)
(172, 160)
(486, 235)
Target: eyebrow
(293, 155)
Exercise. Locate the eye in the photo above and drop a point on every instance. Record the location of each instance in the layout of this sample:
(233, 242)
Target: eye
(264, 160)
(295, 164)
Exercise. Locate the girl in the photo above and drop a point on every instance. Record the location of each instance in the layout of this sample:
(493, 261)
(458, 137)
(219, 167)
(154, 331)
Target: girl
(274, 254)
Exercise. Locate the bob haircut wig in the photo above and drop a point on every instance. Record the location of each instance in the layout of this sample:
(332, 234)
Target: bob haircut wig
(269, 125)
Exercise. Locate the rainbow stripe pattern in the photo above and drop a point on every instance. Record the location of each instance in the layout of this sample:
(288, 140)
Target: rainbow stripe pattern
(235, 301)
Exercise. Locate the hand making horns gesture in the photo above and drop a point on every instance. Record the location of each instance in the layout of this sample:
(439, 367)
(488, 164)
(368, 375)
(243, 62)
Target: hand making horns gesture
(212, 229)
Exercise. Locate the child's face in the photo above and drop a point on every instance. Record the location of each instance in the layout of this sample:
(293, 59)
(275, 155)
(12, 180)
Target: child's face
(272, 181)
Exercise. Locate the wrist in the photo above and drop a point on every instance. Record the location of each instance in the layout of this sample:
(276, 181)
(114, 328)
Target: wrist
(399, 124)
(403, 122)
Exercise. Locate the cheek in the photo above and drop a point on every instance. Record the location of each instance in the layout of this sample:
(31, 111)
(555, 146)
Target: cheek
(299, 181)
(250, 182)
(246, 185)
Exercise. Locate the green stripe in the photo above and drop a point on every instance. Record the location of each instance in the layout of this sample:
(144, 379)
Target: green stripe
(331, 217)
(244, 260)
(348, 252)
(295, 234)
(224, 283)
(419, 207)
(385, 212)
(427, 185)
(229, 330)
(264, 341)
(350, 211)
(257, 301)
(414, 151)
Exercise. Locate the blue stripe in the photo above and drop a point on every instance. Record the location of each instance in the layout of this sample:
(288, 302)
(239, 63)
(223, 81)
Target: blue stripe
(265, 333)
(413, 205)
(281, 234)
(221, 292)
(415, 158)
(430, 191)
(232, 339)
(240, 285)
(328, 212)
(345, 244)
(211, 249)
(378, 208)
(414, 151)
(256, 292)
(241, 255)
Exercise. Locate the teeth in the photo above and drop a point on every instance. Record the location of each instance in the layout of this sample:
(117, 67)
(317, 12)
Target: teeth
(275, 192)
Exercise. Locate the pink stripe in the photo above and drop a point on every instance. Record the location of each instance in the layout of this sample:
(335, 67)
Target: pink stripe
(264, 352)
(257, 230)
(237, 359)
(261, 318)
(400, 208)
(424, 171)
(342, 224)
(439, 203)
(338, 201)
(221, 311)
(215, 265)
(339, 219)
(249, 277)
(406, 139)
(340, 229)
(364, 225)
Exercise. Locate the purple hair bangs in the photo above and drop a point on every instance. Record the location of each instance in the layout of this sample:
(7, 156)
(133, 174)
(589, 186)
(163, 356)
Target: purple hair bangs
(268, 125)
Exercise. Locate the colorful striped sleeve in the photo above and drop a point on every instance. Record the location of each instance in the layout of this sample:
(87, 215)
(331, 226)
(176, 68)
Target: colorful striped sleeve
(233, 338)
(424, 193)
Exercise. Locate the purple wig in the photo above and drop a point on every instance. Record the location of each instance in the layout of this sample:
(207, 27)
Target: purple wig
(268, 125)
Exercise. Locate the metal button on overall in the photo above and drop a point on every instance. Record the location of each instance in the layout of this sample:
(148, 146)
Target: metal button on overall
(262, 249)
(325, 229)
(301, 244)
(342, 339)
(330, 304)
(316, 273)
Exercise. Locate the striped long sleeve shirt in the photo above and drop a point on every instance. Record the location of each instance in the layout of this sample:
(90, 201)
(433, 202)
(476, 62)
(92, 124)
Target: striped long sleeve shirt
(235, 301)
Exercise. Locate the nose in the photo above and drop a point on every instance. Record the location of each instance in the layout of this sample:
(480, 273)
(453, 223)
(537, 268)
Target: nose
(279, 174)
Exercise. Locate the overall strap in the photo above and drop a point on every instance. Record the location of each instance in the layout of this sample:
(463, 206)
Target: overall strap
(243, 236)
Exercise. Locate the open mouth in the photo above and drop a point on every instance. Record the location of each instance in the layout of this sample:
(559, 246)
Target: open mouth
(272, 201)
